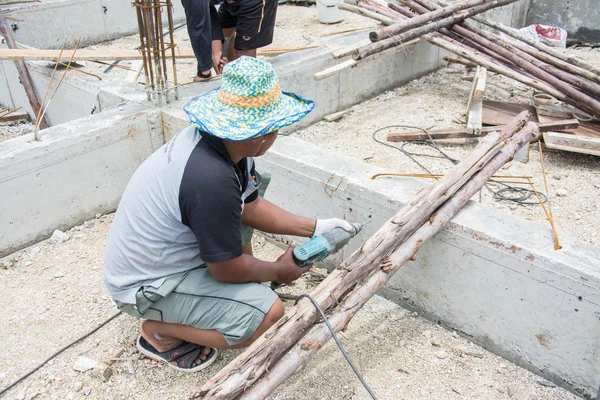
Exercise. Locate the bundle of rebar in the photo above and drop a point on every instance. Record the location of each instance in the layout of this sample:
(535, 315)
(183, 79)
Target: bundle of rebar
(536, 65)
(154, 48)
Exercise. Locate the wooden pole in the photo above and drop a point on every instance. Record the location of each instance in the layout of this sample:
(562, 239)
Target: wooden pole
(240, 374)
(367, 13)
(568, 93)
(298, 358)
(567, 74)
(23, 72)
(469, 6)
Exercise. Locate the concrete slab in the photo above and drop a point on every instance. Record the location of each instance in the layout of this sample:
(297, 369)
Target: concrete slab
(77, 170)
(92, 21)
(491, 276)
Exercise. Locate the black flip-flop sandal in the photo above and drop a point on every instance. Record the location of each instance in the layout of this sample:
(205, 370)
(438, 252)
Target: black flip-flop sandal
(184, 355)
(204, 77)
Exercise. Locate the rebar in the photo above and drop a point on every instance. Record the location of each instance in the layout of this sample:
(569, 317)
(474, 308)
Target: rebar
(153, 48)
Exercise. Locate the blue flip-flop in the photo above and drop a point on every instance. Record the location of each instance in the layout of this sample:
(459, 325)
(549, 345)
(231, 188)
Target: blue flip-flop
(184, 355)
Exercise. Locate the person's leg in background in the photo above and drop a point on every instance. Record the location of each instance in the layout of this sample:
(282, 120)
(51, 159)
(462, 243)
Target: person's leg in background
(198, 19)
(249, 23)
(219, 60)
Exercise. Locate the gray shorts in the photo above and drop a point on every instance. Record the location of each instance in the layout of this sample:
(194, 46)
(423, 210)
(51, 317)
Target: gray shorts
(195, 299)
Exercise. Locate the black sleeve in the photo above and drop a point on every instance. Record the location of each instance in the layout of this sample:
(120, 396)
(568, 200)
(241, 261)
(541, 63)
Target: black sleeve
(211, 205)
(254, 194)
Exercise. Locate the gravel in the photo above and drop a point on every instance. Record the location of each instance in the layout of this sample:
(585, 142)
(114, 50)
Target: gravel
(53, 294)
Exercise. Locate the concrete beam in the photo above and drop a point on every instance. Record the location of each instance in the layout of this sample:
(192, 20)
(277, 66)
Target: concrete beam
(92, 21)
(77, 170)
(489, 275)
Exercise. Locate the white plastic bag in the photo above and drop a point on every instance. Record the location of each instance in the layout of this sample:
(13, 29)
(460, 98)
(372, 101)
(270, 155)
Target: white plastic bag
(550, 35)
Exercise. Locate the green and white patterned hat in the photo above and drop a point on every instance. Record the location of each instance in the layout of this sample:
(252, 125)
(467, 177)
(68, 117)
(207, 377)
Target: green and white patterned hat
(249, 103)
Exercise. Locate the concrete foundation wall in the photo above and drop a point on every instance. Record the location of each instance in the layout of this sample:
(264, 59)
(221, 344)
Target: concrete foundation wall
(491, 276)
(74, 99)
(78, 169)
(46, 25)
(580, 18)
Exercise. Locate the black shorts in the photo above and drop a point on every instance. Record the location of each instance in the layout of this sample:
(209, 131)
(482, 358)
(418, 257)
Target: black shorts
(254, 21)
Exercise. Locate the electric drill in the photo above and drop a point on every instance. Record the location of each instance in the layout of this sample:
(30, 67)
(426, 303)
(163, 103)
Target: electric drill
(319, 247)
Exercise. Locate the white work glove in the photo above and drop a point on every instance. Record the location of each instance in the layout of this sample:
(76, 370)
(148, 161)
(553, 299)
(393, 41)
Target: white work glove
(324, 225)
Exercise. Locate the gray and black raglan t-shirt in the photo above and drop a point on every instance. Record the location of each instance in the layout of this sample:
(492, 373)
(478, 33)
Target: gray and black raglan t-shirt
(181, 209)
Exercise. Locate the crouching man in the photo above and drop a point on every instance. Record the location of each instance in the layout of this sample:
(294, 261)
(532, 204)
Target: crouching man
(178, 254)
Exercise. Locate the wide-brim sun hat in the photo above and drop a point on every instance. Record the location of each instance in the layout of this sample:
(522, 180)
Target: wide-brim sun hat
(248, 104)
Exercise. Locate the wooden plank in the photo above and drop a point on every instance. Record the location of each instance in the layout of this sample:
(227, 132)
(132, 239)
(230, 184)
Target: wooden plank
(334, 70)
(501, 113)
(91, 55)
(14, 117)
(136, 69)
(336, 116)
(442, 134)
(586, 129)
(474, 121)
(573, 143)
(481, 82)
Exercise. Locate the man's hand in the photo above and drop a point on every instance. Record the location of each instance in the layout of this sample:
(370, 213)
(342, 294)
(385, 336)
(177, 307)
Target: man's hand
(288, 270)
(324, 225)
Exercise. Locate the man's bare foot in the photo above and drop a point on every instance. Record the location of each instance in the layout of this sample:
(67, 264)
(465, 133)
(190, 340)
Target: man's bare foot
(162, 344)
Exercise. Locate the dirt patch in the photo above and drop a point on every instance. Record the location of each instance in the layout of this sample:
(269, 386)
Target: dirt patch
(53, 294)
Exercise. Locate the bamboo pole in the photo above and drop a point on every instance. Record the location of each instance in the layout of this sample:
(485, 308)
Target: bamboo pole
(24, 76)
(301, 355)
(242, 373)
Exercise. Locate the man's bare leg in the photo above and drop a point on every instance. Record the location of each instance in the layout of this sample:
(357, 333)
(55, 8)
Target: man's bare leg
(164, 336)
(247, 249)
(230, 33)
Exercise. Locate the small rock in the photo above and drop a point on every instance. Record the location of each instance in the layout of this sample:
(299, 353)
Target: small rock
(85, 364)
(58, 275)
(454, 334)
(58, 237)
(378, 337)
(556, 176)
(510, 391)
(597, 185)
(78, 235)
(77, 386)
(34, 251)
(455, 390)
(133, 350)
(546, 383)
(87, 390)
(98, 216)
(106, 374)
(435, 343)
(129, 366)
(88, 224)
(441, 355)
(427, 334)
(561, 192)
(21, 394)
(2, 375)
(7, 264)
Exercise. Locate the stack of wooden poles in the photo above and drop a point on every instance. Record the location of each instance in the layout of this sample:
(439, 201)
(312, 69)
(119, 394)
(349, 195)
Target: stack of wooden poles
(538, 66)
